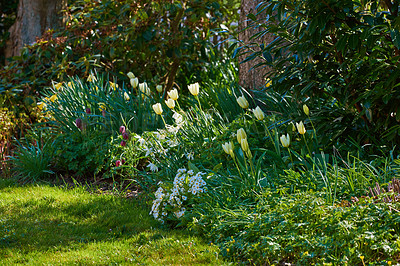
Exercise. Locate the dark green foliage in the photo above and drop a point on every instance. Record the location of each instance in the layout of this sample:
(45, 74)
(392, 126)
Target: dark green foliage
(8, 14)
(156, 40)
(339, 56)
(32, 161)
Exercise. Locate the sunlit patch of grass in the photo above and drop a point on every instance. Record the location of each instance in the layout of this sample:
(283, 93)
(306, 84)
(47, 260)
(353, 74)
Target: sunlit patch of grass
(40, 224)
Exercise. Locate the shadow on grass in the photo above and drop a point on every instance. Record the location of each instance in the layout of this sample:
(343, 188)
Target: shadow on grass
(58, 219)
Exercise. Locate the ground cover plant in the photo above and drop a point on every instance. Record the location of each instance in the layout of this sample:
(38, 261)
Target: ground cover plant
(280, 175)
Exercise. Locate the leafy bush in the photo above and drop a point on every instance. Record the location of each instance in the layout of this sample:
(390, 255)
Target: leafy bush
(301, 229)
(157, 40)
(8, 14)
(341, 57)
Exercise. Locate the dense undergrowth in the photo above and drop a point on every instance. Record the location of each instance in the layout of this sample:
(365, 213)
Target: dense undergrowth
(286, 174)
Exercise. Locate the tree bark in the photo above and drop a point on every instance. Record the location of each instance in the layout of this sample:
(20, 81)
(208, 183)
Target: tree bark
(251, 79)
(34, 17)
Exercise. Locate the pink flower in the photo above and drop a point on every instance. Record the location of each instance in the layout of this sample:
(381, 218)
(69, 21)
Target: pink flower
(123, 143)
(118, 163)
(78, 123)
(122, 129)
(125, 135)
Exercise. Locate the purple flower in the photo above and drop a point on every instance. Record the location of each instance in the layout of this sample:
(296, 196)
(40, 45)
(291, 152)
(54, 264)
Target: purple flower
(122, 161)
(118, 163)
(125, 135)
(122, 129)
(88, 110)
(78, 123)
(123, 143)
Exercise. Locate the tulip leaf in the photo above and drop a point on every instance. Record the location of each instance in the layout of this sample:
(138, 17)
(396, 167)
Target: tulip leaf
(217, 167)
(193, 167)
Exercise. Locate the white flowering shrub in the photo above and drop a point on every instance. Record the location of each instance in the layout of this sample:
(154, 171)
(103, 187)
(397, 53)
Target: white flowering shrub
(171, 203)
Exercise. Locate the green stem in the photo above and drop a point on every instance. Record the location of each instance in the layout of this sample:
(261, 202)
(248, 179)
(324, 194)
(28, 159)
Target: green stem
(290, 155)
(270, 136)
(237, 167)
(315, 132)
(198, 100)
(165, 124)
(253, 172)
(309, 152)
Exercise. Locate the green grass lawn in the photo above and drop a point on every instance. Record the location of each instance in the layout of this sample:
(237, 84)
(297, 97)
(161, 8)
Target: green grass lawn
(41, 224)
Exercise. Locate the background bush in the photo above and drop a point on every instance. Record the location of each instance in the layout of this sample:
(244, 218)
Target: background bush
(338, 56)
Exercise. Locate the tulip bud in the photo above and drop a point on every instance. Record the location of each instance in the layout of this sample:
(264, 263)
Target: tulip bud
(159, 88)
(102, 107)
(170, 103)
(122, 129)
(285, 140)
(42, 106)
(125, 135)
(53, 98)
(241, 134)
(58, 85)
(123, 143)
(113, 85)
(194, 88)
(134, 82)
(126, 96)
(78, 123)
(91, 78)
(130, 75)
(242, 102)
(301, 128)
(173, 94)
(245, 145)
(306, 110)
(118, 163)
(228, 148)
(258, 113)
(157, 108)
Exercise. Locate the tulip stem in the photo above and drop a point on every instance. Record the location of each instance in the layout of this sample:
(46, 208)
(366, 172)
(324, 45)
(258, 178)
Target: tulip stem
(315, 132)
(198, 100)
(165, 124)
(270, 136)
(177, 103)
(253, 172)
(309, 152)
(237, 167)
(291, 159)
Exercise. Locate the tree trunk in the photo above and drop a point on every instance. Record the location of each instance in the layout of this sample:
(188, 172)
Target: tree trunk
(34, 17)
(251, 79)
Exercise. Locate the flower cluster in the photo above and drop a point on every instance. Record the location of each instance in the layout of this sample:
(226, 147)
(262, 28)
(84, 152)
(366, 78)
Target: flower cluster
(175, 200)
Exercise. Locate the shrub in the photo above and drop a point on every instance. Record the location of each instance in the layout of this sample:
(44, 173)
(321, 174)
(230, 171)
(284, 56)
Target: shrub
(341, 57)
